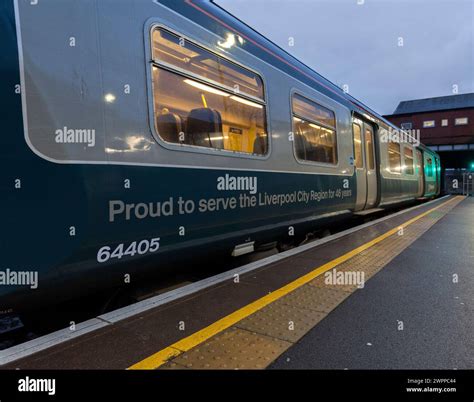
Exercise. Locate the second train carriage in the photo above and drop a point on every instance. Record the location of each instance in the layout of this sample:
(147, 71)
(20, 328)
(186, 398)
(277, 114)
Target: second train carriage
(141, 133)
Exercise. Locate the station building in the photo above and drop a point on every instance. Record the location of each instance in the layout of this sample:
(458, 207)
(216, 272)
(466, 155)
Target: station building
(446, 125)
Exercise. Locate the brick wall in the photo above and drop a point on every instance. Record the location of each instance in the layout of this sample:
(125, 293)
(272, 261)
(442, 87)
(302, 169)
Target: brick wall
(439, 135)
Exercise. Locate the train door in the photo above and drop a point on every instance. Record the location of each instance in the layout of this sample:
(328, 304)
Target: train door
(421, 173)
(364, 164)
(370, 165)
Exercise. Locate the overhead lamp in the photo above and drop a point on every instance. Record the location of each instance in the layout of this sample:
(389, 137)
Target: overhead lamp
(246, 102)
(206, 88)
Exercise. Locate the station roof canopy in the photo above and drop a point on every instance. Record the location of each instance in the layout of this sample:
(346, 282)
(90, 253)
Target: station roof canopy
(461, 101)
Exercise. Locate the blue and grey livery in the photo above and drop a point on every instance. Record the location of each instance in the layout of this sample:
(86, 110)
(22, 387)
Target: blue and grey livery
(92, 189)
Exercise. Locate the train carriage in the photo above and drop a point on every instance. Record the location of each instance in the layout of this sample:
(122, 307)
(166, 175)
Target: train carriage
(144, 133)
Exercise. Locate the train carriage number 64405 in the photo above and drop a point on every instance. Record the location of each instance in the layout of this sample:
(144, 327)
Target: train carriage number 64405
(143, 247)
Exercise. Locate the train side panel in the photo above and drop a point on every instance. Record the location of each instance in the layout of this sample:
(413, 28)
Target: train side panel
(92, 191)
(398, 183)
(120, 200)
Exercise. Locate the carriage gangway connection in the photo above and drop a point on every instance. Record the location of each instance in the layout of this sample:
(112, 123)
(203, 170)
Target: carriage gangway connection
(396, 292)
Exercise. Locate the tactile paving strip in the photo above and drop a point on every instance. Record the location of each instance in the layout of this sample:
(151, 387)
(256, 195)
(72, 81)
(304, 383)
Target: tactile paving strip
(372, 260)
(280, 320)
(234, 348)
(313, 298)
(260, 338)
(331, 279)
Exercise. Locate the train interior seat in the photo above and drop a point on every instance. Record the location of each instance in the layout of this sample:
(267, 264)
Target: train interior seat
(259, 145)
(204, 128)
(301, 147)
(321, 154)
(169, 126)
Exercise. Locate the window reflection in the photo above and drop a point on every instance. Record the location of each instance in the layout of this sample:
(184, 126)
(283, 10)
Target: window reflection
(394, 157)
(314, 129)
(192, 113)
(408, 156)
(203, 100)
(358, 161)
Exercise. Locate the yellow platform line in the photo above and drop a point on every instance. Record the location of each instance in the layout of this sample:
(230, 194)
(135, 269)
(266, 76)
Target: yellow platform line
(157, 359)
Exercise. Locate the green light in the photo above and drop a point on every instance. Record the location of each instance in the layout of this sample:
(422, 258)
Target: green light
(472, 165)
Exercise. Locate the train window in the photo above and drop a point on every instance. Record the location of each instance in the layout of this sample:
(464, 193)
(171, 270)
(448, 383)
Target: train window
(314, 128)
(408, 157)
(429, 167)
(394, 157)
(203, 100)
(180, 53)
(369, 148)
(358, 161)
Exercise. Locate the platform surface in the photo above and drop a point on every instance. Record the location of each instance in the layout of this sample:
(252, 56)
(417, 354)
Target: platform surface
(429, 288)
(284, 315)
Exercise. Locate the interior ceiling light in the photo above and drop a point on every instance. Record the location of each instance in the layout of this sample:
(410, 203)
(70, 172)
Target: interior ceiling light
(206, 88)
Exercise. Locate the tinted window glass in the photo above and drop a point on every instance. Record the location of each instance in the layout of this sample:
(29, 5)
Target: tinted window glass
(178, 52)
(314, 131)
(203, 100)
(394, 157)
(369, 152)
(189, 112)
(408, 156)
(358, 161)
(311, 111)
(429, 167)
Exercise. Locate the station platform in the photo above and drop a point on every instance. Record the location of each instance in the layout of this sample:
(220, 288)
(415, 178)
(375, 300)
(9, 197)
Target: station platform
(393, 293)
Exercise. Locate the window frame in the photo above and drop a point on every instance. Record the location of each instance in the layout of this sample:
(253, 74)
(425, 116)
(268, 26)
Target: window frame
(407, 122)
(399, 173)
(306, 97)
(150, 63)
